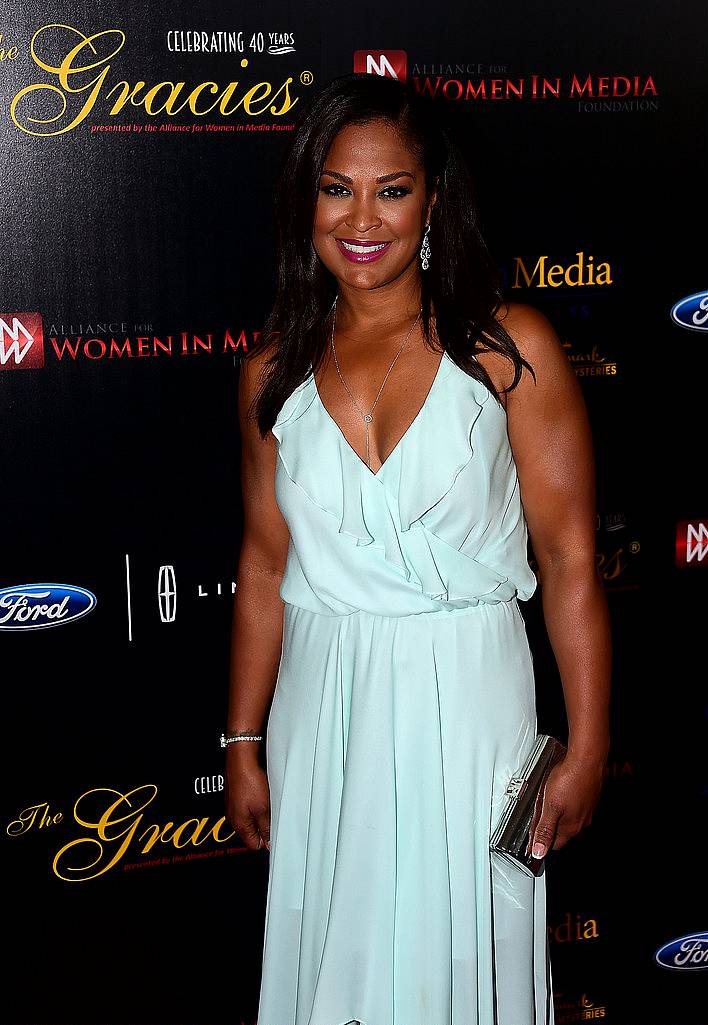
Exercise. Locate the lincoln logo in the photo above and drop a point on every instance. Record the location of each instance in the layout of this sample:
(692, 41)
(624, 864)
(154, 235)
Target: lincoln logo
(167, 594)
(35, 606)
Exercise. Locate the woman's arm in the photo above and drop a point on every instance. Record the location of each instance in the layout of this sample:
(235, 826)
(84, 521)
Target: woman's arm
(257, 628)
(551, 440)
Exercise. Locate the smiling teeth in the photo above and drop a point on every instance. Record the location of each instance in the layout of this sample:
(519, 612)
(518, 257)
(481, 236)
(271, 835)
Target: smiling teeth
(363, 249)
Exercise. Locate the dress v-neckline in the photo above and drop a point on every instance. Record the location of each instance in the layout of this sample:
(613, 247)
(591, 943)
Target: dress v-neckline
(403, 437)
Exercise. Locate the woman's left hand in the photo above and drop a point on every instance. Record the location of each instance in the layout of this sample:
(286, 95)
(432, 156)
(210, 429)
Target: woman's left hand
(570, 796)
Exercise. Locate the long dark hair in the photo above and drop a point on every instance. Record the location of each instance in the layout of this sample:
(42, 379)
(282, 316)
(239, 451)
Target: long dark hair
(462, 282)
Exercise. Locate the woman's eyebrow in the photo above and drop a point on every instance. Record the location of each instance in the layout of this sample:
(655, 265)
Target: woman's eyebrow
(381, 178)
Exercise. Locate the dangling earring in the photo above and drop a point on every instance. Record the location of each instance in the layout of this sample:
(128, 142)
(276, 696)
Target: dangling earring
(425, 249)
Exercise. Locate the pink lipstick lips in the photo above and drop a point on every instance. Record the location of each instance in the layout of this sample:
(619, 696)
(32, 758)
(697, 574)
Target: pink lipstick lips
(361, 252)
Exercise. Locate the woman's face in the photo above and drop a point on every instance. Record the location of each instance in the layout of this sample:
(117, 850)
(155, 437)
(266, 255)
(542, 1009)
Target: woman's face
(354, 205)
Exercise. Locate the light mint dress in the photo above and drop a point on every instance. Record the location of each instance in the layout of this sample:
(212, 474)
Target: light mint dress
(404, 703)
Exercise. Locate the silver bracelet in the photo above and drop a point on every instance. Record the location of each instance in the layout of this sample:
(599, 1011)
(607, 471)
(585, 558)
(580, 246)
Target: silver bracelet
(233, 737)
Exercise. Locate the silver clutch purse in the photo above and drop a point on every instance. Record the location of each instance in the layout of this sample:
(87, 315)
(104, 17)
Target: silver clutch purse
(521, 810)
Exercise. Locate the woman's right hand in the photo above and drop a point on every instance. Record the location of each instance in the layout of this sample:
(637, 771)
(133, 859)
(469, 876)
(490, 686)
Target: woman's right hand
(247, 799)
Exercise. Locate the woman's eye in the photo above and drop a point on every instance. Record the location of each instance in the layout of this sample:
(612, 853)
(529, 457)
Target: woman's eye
(398, 190)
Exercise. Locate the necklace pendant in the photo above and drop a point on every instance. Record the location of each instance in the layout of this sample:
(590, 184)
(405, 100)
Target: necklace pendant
(368, 418)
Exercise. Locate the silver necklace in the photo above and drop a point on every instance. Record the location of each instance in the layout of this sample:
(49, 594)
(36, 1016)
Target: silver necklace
(368, 417)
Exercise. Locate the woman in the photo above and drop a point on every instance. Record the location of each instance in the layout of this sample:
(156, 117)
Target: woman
(400, 424)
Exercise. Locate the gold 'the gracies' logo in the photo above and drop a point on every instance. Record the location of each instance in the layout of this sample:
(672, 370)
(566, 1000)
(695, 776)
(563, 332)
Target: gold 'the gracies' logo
(114, 824)
(81, 80)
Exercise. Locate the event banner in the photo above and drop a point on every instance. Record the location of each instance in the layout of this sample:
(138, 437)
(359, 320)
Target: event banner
(141, 145)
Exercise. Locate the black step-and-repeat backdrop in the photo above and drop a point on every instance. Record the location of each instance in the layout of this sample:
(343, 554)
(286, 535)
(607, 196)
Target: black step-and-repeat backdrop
(139, 150)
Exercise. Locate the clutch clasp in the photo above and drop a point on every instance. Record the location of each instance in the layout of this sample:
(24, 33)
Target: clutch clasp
(516, 786)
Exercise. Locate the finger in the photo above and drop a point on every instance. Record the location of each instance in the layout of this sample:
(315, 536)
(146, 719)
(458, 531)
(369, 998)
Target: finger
(248, 831)
(264, 828)
(535, 819)
(545, 832)
(565, 834)
(561, 840)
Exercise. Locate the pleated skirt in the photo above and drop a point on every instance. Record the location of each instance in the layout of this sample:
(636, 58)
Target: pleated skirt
(390, 742)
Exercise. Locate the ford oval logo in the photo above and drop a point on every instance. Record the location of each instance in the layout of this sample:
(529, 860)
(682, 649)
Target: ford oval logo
(35, 606)
(689, 951)
(692, 312)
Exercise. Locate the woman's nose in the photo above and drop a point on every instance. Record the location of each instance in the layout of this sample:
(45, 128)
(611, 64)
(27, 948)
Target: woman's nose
(362, 215)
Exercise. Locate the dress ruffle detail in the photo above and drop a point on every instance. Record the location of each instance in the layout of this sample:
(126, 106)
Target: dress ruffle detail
(387, 510)
(426, 472)
(449, 575)
(297, 403)
(343, 495)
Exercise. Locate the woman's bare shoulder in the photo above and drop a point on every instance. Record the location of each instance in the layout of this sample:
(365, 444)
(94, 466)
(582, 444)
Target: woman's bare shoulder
(553, 388)
(534, 337)
(533, 333)
(530, 331)
(254, 368)
(252, 377)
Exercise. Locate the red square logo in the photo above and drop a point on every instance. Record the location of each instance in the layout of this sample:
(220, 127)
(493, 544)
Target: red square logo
(21, 341)
(692, 543)
(388, 63)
